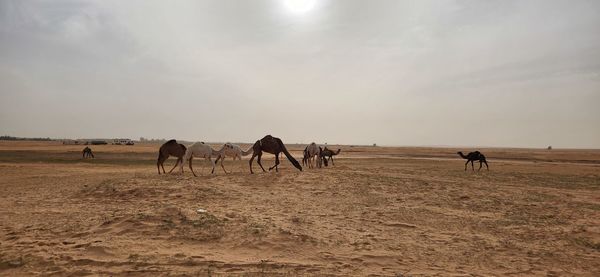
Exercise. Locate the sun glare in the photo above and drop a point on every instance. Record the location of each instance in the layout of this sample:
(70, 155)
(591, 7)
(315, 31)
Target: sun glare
(300, 6)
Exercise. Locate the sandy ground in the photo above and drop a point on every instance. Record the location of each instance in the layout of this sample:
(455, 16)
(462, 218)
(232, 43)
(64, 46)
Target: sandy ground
(378, 211)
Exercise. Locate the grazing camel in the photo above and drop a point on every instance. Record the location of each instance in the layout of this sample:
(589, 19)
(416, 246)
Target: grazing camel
(198, 150)
(170, 148)
(231, 150)
(274, 146)
(310, 152)
(87, 153)
(321, 160)
(474, 156)
(328, 154)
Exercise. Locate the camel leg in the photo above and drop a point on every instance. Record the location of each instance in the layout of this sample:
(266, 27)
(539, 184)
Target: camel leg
(222, 166)
(162, 164)
(159, 161)
(190, 164)
(276, 163)
(486, 165)
(179, 160)
(472, 166)
(250, 162)
(217, 160)
(259, 163)
(241, 164)
(466, 165)
(212, 163)
(480, 165)
(213, 171)
(331, 160)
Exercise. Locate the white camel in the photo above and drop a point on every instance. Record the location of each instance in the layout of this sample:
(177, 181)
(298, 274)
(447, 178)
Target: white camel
(198, 150)
(310, 152)
(231, 150)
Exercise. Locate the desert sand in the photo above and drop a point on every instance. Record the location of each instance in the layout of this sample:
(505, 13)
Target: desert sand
(389, 211)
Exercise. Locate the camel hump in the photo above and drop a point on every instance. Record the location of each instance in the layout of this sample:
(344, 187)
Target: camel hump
(171, 141)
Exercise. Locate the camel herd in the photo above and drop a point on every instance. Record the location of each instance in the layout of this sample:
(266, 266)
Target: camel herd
(314, 156)
(268, 144)
(319, 155)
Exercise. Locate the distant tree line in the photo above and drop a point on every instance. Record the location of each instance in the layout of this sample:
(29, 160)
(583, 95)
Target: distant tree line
(17, 138)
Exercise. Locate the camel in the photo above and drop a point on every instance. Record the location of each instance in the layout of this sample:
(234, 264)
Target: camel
(474, 156)
(310, 152)
(274, 146)
(328, 154)
(231, 150)
(305, 156)
(170, 148)
(321, 160)
(199, 150)
(87, 152)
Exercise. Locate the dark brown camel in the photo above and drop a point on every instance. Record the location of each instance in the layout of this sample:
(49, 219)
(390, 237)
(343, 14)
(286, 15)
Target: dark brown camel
(305, 156)
(170, 148)
(274, 146)
(328, 154)
(322, 158)
(474, 156)
(87, 152)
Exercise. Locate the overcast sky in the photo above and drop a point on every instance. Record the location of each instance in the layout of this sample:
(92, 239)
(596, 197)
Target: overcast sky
(468, 73)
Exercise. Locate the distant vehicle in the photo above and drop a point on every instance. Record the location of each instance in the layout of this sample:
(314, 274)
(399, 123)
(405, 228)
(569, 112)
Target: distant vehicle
(123, 142)
(98, 142)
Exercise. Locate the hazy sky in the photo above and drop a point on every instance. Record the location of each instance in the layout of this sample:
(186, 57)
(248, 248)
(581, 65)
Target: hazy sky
(481, 73)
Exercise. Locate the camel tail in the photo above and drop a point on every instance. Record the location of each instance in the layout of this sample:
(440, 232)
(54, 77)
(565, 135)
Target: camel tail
(248, 152)
(289, 156)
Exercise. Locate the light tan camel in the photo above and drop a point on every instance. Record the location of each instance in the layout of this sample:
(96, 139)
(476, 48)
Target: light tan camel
(231, 150)
(311, 154)
(199, 150)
